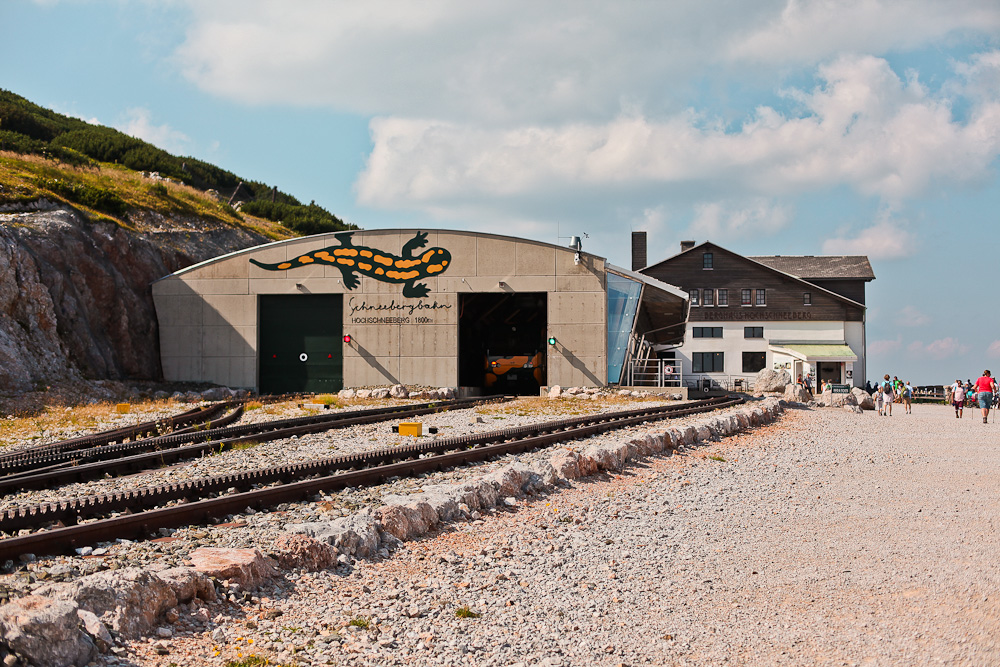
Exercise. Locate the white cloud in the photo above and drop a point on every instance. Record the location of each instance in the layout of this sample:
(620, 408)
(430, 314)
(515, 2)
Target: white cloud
(881, 347)
(528, 62)
(720, 221)
(488, 108)
(138, 123)
(884, 240)
(942, 348)
(812, 30)
(862, 127)
(993, 351)
(911, 317)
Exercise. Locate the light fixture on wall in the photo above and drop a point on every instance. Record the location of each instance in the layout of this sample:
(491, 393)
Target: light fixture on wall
(347, 338)
(552, 340)
(576, 244)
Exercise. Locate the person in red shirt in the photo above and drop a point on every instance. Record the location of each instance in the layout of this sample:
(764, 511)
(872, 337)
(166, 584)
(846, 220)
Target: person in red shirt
(985, 386)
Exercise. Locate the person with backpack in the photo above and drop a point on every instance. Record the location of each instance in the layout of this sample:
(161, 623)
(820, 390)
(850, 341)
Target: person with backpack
(887, 394)
(907, 393)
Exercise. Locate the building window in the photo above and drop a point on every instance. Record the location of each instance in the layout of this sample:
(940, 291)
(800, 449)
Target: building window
(706, 260)
(707, 362)
(708, 297)
(695, 294)
(760, 298)
(723, 299)
(807, 299)
(706, 332)
(753, 332)
(745, 296)
(754, 361)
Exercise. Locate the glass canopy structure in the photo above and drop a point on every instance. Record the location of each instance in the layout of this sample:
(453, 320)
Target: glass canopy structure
(641, 310)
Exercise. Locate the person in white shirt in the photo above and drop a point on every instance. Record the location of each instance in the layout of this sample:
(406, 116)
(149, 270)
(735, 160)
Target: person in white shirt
(958, 397)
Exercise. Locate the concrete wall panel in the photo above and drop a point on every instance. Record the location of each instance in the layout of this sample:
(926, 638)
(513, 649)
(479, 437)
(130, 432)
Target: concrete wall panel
(534, 260)
(233, 310)
(179, 310)
(428, 371)
(577, 308)
(579, 283)
(496, 257)
(436, 341)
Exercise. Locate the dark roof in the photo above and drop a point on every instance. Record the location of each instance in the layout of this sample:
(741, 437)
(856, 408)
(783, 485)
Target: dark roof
(820, 267)
(649, 270)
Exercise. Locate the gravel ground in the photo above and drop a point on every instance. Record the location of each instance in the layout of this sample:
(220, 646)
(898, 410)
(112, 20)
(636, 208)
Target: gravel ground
(827, 538)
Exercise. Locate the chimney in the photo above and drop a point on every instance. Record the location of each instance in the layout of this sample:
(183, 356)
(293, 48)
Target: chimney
(638, 250)
(686, 245)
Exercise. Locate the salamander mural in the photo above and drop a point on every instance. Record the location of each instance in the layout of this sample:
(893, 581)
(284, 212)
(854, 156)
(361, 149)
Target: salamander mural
(374, 263)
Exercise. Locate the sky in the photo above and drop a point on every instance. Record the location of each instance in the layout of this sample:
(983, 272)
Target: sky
(769, 127)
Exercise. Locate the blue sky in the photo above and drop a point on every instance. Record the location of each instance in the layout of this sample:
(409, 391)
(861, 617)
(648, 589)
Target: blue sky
(772, 127)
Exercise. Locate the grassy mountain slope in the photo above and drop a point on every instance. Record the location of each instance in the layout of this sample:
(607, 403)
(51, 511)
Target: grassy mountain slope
(98, 169)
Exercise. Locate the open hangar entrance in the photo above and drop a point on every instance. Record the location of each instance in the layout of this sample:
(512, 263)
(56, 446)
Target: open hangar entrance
(502, 342)
(300, 348)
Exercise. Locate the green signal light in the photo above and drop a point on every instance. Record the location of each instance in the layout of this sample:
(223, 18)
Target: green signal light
(552, 340)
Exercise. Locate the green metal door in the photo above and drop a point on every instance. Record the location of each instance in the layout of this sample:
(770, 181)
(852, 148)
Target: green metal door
(300, 343)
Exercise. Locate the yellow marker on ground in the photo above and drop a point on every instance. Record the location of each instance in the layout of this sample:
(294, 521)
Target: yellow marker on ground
(416, 429)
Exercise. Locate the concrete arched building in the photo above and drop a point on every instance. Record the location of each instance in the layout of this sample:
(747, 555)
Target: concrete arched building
(438, 308)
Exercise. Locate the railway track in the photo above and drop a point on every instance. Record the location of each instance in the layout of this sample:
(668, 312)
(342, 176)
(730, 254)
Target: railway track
(59, 467)
(214, 497)
(155, 427)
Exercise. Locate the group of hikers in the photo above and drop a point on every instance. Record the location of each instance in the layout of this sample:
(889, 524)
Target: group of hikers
(983, 391)
(890, 391)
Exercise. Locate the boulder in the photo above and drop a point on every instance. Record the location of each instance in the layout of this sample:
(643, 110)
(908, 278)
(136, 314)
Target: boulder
(864, 399)
(46, 632)
(511, 480)
(546, 473)
(832, 400)
(381, 392)
(96, 629)
(355, 535)
(768, 380)
(188, 583)
(129, 601)
(554, 391)
(302, 552)
(346, 393)
(566, 464)
(247, 567)
(796, 393)
(399, 391)
(217, 394)
(609, 456)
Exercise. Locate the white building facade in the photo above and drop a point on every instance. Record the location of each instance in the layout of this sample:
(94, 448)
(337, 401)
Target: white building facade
(751, 313)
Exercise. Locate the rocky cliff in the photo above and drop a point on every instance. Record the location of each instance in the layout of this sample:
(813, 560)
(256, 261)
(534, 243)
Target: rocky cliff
(75, 298)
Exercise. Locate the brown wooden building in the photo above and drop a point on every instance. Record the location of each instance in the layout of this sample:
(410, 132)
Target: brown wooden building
(805, 314)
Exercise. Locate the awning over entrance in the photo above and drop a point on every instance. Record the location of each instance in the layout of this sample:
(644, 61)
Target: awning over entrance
(811, 352)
